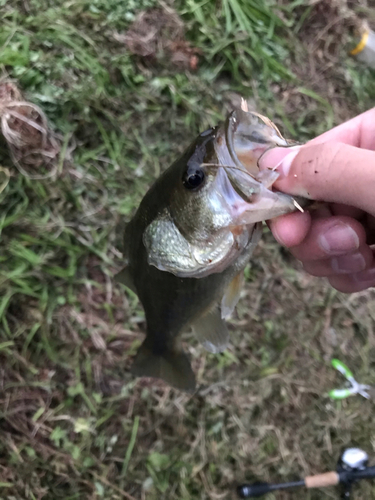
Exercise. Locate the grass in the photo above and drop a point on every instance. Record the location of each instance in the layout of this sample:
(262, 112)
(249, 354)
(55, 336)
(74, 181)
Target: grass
(73, 422)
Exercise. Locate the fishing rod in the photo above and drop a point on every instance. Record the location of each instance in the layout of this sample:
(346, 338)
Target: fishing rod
(352, 467)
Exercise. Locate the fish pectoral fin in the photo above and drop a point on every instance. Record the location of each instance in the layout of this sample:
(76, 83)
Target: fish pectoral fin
(211, 331)
(171, 366)
(124, 277)
(232, 295)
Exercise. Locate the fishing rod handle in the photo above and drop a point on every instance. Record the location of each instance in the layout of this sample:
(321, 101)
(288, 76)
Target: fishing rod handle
(260, 489)
(319, 481)
(322, 480)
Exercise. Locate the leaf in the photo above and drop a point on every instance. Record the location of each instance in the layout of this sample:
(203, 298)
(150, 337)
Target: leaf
(57, 435)
(158, 461)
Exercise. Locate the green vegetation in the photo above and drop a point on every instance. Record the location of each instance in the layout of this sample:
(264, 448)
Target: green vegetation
(74, 424)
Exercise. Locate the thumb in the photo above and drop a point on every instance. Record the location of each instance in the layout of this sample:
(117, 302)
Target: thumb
(331, 172)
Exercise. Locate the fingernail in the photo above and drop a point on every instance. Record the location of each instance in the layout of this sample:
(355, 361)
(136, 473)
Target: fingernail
(279, 159)
(338, 239)
(353, 263)
(364, 277)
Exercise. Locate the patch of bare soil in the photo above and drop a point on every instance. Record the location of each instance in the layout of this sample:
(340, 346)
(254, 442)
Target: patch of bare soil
(158, 36)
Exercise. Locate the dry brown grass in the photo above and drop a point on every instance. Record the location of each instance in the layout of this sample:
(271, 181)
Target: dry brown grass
(34, 147)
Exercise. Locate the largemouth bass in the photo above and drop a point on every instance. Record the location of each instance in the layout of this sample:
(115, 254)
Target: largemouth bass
(193, 234)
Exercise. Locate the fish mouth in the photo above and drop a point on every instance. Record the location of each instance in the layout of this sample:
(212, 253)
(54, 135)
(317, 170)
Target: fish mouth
(239, 145)
(248, 136)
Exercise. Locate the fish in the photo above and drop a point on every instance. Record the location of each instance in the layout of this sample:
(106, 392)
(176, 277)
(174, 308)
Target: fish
(195, 230)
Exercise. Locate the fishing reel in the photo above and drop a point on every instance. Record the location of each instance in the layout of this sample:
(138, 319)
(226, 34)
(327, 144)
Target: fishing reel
(352, 467)
(352, 462)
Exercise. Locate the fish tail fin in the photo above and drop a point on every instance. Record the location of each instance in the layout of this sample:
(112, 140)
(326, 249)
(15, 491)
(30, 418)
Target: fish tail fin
(171, 366)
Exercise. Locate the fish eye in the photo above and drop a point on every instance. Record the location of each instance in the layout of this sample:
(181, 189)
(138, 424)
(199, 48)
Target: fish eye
(193, 179)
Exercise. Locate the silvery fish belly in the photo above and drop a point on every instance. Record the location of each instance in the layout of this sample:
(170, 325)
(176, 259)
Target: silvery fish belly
(193, 234)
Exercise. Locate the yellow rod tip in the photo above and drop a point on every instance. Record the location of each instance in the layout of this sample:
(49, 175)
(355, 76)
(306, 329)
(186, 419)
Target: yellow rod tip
(362, 44)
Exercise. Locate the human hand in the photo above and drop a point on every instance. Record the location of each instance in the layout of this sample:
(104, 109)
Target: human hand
(337, 239)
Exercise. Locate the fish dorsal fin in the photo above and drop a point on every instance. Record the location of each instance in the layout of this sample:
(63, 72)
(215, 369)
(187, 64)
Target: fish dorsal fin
(211, 331)
(232, 295)
(168, 250)
(124, 277)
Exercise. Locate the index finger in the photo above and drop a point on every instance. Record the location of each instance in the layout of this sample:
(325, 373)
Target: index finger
(358, 132)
